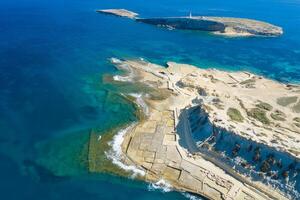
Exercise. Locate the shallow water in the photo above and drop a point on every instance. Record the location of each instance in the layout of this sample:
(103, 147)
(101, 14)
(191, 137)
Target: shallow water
(52, 57)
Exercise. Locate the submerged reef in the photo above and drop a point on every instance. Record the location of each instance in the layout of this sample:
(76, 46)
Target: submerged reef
(92, 150)
(193, 130)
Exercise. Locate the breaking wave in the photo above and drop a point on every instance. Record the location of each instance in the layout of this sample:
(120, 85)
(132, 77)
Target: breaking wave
(116, 154)
(122, 66)
(124, 78)
(162, 185)
(191, 196)
(140, 101)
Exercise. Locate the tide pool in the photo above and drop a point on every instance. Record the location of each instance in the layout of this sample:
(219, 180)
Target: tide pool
(53, 55)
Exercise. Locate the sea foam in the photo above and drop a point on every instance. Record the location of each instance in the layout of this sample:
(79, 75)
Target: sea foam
(141, 103)
(122, 66)
(191, 196)
(122, 78)
(116, 154)
(162, 185)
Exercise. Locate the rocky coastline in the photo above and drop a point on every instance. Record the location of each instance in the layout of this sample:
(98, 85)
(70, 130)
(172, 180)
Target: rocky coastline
(166, 147)
(227, 26)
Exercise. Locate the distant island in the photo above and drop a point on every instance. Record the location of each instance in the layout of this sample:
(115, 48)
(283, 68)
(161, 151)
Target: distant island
(223, 135)
(229, 26)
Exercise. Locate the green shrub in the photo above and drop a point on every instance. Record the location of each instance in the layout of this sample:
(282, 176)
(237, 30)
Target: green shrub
(278, 115)
(297, 119)
(264, 106)
(259, 114)
(235, 114)
(296, 107)
(248, 81)
(285, 101)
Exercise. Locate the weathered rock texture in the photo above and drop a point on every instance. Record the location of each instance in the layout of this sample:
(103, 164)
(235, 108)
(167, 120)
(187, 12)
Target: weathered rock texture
(154, 143)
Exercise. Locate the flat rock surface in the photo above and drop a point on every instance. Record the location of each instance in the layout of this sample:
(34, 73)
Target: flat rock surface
(153, 144)
(247, 26)
(119, 12)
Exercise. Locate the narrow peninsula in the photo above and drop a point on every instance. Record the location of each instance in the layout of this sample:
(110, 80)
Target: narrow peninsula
(229, 26)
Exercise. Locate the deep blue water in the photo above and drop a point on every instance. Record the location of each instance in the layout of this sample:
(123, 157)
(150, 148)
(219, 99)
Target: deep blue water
(52, 53)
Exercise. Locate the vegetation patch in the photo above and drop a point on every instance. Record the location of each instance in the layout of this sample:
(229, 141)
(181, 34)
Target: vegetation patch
(296, 107)
(201, 91)
(159, 94)
(218, 103)
(235, 114)
(219, 106)
(259, 114)
(207, 108)
(297, 119)
(248, 83)
(297, 124)
(242, 104)
(285, 101)
(264, 106)
(278, 115)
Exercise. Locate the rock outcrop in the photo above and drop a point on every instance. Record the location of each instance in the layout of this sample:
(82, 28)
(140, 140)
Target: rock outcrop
(220, 25)
(164, 146)
(119, 12)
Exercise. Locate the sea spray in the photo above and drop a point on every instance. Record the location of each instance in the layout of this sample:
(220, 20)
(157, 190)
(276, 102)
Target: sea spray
(116, 154)
(141, 103)
(122, 78)
(115, 60)
(162, 185)
(191, 196)
(128, 77)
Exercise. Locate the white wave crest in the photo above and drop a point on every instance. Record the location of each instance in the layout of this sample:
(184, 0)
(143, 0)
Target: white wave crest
(122, 78)
(191, 196)
(116, 153)
(115, 60)
(140, 101)
(162, 185)
(128, 77)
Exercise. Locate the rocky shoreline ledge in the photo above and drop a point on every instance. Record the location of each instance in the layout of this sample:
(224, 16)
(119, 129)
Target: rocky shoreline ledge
(228, 26)
(180, 141)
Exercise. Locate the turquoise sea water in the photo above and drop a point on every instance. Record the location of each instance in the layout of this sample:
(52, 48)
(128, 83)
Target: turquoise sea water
(52, 57)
